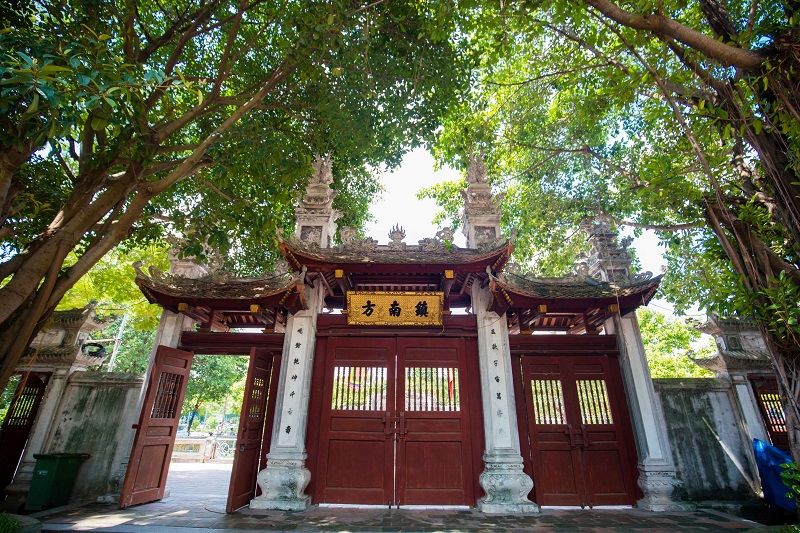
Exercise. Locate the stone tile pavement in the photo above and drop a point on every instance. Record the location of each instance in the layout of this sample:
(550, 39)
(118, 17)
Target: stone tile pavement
(196, 504)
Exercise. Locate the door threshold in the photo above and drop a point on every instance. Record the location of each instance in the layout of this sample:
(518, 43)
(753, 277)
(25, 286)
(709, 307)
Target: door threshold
(586, 508)
(402, 507)
(436, 507)
(351, 506)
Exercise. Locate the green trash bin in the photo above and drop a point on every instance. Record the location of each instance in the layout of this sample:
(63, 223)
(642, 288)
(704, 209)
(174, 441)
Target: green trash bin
(53, 478)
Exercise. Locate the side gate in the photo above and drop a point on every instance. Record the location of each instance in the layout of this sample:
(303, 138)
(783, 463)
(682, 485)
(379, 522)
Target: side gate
(575, 431)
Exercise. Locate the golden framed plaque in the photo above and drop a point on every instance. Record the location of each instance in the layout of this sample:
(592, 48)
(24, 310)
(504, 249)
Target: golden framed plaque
(385, 308)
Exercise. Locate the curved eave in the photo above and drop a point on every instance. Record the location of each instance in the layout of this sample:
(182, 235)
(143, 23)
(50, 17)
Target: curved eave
(371, 261)
(169, 297)
(628, 298)
(725, 363)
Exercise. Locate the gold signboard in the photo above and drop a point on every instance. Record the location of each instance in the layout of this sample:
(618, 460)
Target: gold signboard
(380, 308)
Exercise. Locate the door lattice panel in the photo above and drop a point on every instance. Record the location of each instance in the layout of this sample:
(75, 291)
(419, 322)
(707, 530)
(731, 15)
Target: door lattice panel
(548, 401)
(255, 411)
(432, 389)
(359, 388)
(773, 407)
(167, 396)
(21, 411)
(593, 399)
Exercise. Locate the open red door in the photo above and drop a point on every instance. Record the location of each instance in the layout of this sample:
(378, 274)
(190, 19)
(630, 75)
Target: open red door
(19, 420)
(146, 476)
(260, 375)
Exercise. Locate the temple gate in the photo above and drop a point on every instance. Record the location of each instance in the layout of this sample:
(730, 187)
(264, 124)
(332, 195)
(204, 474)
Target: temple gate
(426, 374)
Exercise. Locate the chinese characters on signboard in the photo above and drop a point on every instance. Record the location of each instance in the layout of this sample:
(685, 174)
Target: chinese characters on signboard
(394, 308)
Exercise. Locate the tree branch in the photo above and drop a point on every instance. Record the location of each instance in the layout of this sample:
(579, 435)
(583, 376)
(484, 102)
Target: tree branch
(662, 26)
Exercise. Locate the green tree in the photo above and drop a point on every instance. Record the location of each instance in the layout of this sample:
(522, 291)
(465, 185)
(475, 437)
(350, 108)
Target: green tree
(125, 120)
(210, 380)
(674, 117)
(668, 343)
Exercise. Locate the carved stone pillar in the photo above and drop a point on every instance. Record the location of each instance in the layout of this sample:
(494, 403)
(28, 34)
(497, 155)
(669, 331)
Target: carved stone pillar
(284, 481)
(481, 214)
(315, 216)
(657, 477)
(505, 485)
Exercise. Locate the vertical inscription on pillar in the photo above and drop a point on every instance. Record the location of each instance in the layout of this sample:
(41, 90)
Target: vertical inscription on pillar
(293, 390)
(497, 387)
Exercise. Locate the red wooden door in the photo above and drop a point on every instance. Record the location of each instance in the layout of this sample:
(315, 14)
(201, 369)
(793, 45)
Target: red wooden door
(581, 448)
(251, 429)
(266, 439)
(554, 454)
(434, 454)
(394, 429)
(18, 423)
(146, 475)
(356, 452)
(770, 404)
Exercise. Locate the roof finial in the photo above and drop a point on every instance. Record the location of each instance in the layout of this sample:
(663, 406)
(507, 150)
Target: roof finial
(396, 235)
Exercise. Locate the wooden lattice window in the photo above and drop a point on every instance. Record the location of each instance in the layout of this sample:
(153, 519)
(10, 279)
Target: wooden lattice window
(169, 389)
(255, 409)
(772, 403)
(359, 388)
(593, 401)
(548, 401)
(21, 410)
(432, 389)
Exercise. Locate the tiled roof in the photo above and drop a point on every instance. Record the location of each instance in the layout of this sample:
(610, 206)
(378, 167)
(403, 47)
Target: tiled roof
(726, 360)
(581, 287)
(215, 287)
(431, 253)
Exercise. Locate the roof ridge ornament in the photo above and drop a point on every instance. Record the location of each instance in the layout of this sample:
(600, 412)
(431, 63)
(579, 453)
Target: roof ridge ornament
(396, 236)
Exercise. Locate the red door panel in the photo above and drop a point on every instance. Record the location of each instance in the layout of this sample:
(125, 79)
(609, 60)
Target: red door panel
(551, 411)
(146, 475)
(770, 404)
(394, 424)
(580, 441)
(434, 456)
(355, 463)
(251, 429)
(18, 422)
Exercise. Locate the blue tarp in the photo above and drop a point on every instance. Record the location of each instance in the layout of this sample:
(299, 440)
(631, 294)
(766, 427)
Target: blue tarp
(769, 460)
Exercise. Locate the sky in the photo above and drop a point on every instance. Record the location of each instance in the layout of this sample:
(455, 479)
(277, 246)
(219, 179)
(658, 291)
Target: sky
(399, 205)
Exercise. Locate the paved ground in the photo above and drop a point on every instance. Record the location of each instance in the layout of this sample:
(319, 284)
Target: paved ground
(197, 496)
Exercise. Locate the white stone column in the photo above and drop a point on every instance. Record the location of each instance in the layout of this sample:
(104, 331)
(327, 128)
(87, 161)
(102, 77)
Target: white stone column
(283, 482)
(657, 477)
(745, 397)
(504, 483)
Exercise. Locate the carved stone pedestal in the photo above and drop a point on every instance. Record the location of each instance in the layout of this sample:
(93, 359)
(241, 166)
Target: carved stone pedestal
(657, 486)
(283, 484)
(506, 486)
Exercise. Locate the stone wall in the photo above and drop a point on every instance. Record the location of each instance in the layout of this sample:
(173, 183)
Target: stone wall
(709, 445)
(95, 417)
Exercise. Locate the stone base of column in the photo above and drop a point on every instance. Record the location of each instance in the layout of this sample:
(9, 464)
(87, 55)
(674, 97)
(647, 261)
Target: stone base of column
(506, 486)
(283, 484)
(658, 485)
